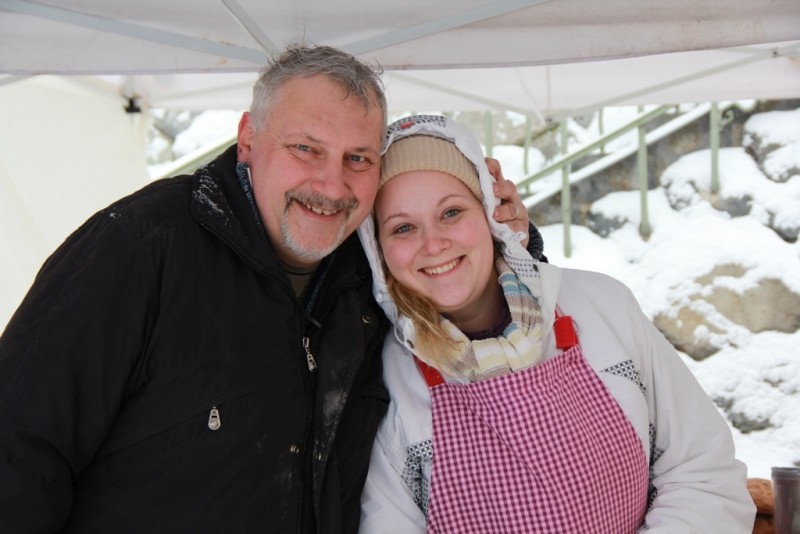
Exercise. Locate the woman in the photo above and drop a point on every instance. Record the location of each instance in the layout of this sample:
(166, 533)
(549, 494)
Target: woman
(524, 397)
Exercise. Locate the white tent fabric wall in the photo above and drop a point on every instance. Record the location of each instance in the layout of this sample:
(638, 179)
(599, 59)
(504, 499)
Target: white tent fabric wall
(65, 152)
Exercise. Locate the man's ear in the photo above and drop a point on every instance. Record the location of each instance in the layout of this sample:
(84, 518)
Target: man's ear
(245, 137)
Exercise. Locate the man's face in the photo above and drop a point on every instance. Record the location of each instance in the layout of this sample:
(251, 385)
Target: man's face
(315, 165)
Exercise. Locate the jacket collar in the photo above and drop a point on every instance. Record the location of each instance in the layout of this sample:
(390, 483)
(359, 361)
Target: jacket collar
(221, 206)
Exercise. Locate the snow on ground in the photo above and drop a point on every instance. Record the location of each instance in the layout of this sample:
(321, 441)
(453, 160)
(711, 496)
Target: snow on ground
(760, 372)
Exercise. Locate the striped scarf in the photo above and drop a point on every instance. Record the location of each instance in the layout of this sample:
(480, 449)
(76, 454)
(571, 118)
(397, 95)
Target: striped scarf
(520, 345)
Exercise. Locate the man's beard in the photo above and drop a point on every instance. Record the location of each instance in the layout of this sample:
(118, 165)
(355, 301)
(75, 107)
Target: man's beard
(309, 253)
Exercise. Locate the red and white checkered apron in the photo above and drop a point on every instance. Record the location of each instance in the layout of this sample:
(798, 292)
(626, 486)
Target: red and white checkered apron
(545, 450)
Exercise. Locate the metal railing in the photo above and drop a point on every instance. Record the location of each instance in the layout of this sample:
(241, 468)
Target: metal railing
(645, 139)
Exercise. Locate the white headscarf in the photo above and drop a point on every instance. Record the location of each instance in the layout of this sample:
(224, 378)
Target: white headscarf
(515, 255)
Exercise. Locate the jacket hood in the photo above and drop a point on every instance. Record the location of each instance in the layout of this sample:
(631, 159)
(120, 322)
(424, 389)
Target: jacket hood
(518, 258)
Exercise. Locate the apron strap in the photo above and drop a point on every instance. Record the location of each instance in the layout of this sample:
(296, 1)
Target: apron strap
(432, 376)
(565, 332)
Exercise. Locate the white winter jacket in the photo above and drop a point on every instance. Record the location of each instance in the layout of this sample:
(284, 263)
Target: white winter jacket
(696, 484)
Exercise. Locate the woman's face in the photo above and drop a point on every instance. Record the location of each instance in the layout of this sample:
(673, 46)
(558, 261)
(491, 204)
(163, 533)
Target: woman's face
(436, 241)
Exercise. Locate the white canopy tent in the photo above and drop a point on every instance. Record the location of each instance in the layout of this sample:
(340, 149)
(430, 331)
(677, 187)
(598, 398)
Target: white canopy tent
(546, 56)
(68, 147)
(168, 36)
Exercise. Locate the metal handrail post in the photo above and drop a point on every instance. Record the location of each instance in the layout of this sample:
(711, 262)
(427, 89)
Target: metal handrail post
(641, 161)
(601, 129)
(566, 197)
(526, 147)
(488, 133)
(713, 140)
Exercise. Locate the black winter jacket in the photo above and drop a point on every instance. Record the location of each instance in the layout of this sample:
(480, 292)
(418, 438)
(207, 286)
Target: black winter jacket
(160, 313)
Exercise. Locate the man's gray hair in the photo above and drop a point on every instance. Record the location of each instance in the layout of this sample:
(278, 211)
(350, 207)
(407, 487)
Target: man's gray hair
(299, 61)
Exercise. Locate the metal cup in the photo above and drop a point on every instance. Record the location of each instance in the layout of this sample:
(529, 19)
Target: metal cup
(786, 487)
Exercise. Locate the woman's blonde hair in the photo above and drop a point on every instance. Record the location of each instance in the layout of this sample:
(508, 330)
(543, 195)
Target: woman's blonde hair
(431, 338)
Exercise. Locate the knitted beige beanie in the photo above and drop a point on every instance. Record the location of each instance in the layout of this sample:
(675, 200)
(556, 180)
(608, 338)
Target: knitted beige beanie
(428, 153)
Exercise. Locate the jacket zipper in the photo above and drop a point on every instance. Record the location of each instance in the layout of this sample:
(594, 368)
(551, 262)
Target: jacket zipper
(214, 419)
(312, 363)
(312, 366)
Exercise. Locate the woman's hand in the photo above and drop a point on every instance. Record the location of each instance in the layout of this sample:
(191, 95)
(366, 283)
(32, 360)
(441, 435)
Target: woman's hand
(511, 209)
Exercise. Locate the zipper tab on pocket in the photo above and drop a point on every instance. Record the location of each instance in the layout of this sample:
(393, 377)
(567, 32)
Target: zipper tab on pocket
(312, 363)
(214, 422)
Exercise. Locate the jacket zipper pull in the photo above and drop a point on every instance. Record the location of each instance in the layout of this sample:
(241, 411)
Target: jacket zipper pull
(214, 422)
(312, 363)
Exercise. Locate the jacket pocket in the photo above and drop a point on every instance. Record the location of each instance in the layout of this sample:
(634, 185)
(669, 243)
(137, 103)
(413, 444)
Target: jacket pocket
(176, 407)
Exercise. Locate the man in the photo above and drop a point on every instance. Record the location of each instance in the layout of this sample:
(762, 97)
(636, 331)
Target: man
(203, 355)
